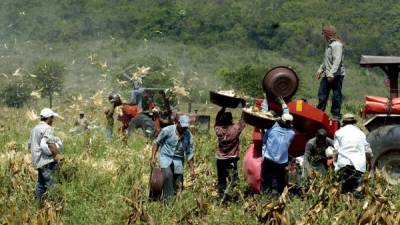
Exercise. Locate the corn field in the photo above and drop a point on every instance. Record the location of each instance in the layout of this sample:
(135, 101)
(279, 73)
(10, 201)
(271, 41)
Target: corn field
(106, 182)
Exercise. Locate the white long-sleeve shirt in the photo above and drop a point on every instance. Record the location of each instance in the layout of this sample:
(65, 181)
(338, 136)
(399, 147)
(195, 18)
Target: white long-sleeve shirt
(352, 145)
(333, 60)
(37, 144)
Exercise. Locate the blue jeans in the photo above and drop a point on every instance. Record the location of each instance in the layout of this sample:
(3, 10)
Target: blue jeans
(323, 94)
(172, 182)
(45, 180)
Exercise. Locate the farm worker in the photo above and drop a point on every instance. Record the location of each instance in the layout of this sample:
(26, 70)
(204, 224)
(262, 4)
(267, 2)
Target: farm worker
(331, 72)
(82, 122)
(110, 119)
(45, 148)
(175, 143)
(353, 151)
(227, 153)
(275, 151)
(315, 158)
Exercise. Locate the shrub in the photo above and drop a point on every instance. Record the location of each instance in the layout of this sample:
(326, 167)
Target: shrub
(15, 94)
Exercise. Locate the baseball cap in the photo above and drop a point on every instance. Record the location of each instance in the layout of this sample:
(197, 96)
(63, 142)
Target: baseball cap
(184, 121)
(287, 117)
(46, 113)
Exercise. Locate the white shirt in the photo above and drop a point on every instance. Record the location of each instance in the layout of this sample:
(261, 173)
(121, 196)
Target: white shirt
(37, 144)
(351, 144)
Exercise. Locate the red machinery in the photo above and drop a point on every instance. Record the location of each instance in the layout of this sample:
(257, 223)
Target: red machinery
(307, 120)
(383, 119)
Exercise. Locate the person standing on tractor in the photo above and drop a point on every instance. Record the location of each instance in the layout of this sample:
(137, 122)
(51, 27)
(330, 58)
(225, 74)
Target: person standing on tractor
(228, 150)
(331, 72)
(45, 148)
(175, 142)
(353, 153)
(275, 151)
(315, 158)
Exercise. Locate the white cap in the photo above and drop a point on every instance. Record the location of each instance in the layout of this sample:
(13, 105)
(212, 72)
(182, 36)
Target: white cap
(46, 113)
(184, 120)
(287, 117)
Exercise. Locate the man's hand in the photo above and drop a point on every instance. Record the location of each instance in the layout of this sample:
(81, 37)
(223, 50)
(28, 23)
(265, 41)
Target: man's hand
(280, 100)
(59, 158)
(153, 162)
(318, 75)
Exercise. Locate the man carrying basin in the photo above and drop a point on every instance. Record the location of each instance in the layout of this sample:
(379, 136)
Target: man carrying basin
(228, 150)
(175, 143)
(275, 152)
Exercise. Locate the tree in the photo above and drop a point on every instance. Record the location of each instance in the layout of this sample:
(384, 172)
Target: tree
(15, 94)
(49, 77)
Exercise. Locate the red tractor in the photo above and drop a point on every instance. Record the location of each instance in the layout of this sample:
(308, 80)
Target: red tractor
(382, 114)
(151, 109)
(283, 81)
(383, 119)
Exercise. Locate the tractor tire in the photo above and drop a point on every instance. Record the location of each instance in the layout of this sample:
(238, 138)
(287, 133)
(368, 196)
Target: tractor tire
(143, 122)
(385, 145)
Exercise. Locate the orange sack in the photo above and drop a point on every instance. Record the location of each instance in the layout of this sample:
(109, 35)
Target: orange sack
(375, 104)
(130, 109)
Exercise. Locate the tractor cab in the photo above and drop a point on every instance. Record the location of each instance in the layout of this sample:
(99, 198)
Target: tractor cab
(382, 116)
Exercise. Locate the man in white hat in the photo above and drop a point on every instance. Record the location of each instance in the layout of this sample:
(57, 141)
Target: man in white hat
(353, 152)
(45, 148)
(275, 151)
(175, 143)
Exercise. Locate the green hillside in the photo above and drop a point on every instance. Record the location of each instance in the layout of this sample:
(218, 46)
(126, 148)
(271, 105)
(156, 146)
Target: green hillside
(193, 40)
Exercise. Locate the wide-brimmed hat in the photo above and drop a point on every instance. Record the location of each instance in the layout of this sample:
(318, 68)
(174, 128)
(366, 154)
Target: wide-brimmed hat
(349, 118)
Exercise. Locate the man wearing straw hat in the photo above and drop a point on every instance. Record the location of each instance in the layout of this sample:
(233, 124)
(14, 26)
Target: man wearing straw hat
(45, 148)
(353, 153)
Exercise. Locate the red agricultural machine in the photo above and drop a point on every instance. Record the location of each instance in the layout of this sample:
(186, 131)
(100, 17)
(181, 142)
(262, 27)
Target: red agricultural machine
(382, 120)
(151, 109)
(283, 81)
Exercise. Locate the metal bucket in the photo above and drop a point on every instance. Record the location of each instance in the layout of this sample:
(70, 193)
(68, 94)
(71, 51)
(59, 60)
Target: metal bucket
(280, 81)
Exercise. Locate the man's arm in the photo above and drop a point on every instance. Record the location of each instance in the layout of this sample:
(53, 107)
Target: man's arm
(154, 153)
(319, 72)
(285, 108)
(189, 153)
(368, 154)
(307, 154)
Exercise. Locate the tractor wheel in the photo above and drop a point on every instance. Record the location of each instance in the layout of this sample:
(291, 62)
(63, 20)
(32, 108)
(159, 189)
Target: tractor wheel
(143, 122)
(385, 144)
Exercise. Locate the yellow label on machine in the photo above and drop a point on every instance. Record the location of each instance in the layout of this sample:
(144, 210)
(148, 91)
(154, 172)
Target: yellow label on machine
(299, 105)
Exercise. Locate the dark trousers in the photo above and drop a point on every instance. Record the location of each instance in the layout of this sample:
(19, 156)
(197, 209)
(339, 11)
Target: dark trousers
(227, 172)
(323, 94)
(350, 178)
(172, 181)
(273, 176)
(45, 180)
